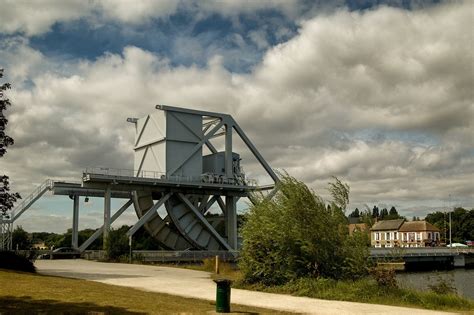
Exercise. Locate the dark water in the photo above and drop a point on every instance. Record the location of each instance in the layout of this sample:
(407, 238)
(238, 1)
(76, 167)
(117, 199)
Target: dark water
(461, 279)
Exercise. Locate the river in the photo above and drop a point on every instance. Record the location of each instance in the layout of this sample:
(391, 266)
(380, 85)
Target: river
(461, 279)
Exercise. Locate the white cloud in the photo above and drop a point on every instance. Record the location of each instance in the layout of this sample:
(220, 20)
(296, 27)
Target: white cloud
(37, 17)
(307, 106)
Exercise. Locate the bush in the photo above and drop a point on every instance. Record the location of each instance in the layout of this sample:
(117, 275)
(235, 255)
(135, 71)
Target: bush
(442, 286)
(296, 235)
(13, 261)
(117, 245)
(385, 277)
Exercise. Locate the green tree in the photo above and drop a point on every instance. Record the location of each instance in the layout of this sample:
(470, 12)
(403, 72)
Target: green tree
(375, 212)
(7, 199)
(384, 214)
(355, 213)
(20, 238)
(296, 235)
(117, 243)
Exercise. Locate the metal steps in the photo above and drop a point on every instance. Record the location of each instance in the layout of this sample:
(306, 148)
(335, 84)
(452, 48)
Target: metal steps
(30, 200)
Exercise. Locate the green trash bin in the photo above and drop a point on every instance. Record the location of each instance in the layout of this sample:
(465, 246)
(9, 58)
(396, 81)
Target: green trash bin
(223, 295)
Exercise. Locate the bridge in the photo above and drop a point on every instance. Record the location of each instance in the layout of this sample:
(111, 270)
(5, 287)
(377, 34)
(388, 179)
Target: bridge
(425, 256)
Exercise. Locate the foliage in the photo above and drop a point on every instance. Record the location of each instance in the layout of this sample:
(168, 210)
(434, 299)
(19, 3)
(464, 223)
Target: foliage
(442, 286)
(14, 261)
(20, 238)
(295, 235)
(7, 199)
(355, 213)
(117, 243)
(340, 193)
(462, 224)
(385, 277)
(5, 140)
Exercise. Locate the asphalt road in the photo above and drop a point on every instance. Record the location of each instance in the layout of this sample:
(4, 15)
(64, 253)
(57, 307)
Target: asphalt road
(197, 284)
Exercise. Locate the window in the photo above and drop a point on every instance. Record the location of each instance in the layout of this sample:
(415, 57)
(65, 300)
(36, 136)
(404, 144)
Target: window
(429, 235)
(418, 236)
(387, 236)
(395, 235)
(377, 236)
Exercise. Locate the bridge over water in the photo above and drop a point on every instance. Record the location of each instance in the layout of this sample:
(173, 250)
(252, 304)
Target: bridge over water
(436, 256)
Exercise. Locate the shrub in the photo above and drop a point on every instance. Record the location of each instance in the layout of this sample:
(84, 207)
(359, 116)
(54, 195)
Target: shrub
(442, 286)
(13, 261)
(296, 235)
(117, 245)
(385, 277)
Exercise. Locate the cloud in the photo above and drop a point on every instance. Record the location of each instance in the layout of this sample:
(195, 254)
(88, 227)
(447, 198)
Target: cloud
(380, 99)
(37, 17)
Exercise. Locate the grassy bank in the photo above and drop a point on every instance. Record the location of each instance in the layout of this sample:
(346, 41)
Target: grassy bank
(367, 291)
(22, 293)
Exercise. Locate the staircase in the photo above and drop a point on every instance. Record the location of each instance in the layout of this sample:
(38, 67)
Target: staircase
(28, 201)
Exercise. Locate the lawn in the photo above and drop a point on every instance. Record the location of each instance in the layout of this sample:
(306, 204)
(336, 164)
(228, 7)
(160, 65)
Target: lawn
(24, 293)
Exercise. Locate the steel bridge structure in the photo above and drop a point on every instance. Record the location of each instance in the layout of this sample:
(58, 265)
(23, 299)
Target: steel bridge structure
(171, 173)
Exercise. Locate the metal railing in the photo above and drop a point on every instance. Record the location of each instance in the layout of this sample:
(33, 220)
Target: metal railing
(167, 256)
(31, 198)
(420, 251)
(204, 178)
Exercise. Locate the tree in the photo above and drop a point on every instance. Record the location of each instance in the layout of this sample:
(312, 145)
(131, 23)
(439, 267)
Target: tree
(5, 140)
(7, 199)
(375, 212)
(384, 214)
(296, 235)
(117, 243)
(355, 213)
(20, 238)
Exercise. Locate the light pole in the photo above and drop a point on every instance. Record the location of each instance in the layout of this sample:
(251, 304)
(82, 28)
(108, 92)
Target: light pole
(450, 241)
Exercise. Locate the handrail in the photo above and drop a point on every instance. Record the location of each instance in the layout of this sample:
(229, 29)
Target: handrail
(204, 178)
(40, 190)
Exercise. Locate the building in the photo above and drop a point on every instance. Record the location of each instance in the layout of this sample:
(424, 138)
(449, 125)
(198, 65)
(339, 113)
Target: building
(385, 233)
(401, 233)
(418, 234)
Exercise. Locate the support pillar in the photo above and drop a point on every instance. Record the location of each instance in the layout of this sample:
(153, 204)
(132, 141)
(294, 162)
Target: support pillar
(229, 172)
(231, 221)
(75, 222)
(107, 197)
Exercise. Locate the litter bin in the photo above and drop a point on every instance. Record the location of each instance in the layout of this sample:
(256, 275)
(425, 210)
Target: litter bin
(223, 295)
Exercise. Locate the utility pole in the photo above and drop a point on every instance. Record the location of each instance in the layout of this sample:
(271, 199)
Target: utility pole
(450, 241)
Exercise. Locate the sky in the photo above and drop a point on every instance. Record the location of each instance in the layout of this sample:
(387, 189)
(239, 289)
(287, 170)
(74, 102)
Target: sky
(376, 92)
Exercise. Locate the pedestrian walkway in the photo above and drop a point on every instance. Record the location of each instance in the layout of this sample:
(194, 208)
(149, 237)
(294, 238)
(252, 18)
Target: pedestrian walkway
(197, 284)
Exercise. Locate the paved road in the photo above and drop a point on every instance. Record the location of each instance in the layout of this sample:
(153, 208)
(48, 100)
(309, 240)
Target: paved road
(197, 284)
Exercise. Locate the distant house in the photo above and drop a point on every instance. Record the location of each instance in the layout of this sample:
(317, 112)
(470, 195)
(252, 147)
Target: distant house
(418, 234)
(401, 233)
(385, 233)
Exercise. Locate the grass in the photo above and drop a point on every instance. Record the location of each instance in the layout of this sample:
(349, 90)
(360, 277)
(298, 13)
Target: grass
(367, 291)
(23, 293)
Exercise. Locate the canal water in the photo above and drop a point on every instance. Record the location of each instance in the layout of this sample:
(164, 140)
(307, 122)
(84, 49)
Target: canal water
(461, 279)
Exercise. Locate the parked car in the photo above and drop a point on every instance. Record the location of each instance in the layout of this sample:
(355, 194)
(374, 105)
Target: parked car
(62, 253)
(470, 243)
(457, 245)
